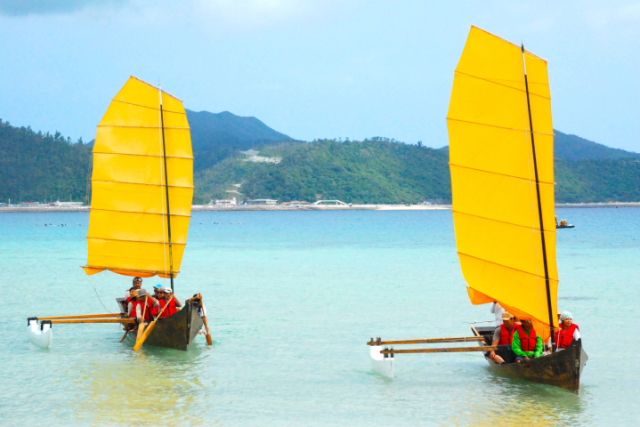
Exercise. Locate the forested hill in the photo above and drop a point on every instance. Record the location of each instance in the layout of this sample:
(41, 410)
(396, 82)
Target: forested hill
(383, 171)
(218, 136)
(42, 167)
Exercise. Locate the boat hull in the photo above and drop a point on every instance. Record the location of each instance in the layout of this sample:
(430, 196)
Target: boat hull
(177, 332)
(561, 369)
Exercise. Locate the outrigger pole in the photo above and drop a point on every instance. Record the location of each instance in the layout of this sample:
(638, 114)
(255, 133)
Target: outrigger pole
(535, 168)
(166, 186)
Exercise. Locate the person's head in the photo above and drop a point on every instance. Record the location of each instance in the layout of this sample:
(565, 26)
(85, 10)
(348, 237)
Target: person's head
(566, 319)
(507, 319)
(157, 289)
(527, 324)
(137, 282)
(134, 293)
(141, 294)
(167, 293)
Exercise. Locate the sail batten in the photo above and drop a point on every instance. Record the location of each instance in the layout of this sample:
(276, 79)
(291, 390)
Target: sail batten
(142, 182)
(502, 177)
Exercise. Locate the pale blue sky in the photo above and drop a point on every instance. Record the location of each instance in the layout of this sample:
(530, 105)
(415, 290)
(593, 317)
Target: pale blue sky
(312, 68)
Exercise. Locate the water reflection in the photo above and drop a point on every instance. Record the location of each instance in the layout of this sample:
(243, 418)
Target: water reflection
(156, 386)
(512, 401)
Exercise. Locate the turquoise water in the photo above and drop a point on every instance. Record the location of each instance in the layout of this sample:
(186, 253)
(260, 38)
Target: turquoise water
(293, 297)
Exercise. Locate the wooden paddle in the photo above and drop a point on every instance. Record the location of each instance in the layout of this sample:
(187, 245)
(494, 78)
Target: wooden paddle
(142, 325)
(149, 329)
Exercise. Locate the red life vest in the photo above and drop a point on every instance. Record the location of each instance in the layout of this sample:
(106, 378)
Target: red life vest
(141, 304)
(528, 343)
(169, 311)
(506, 337)
(565, 338)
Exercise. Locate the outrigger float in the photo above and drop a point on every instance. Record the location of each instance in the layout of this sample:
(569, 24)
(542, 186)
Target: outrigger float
(142, 192)
(502, 179)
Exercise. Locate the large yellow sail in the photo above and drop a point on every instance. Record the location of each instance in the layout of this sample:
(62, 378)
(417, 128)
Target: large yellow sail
(129, 230)
(496, 195)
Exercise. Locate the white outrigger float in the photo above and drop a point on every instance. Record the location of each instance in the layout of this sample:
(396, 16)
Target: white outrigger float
(40, 334)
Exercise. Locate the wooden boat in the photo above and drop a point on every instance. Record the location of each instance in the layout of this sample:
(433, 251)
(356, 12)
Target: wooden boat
(502, 173)
(561, 369)
(566, 226)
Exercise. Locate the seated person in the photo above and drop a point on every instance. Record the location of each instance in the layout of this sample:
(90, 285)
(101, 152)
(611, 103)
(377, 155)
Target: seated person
(137, 285)
(167, 297)
(156, 290)
(197, 301)
(567, 333)
(526, 343)
(141, 305)
(503, 335)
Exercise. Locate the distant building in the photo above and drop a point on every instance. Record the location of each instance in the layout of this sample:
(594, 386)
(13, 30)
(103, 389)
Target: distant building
(269, 202)
(66, 204)
(226, 202)
(28, 204)
(330, 202)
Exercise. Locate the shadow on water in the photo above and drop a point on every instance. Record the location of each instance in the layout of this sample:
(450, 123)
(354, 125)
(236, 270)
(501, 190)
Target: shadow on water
(513, 401)
(156, 386)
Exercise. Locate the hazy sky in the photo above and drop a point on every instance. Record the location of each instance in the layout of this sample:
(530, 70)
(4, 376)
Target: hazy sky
(312, 68)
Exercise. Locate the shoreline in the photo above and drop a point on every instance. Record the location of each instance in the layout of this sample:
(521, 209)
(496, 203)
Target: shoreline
(280, 208)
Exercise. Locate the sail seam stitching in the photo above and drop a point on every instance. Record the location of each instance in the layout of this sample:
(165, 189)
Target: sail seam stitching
(138, 212)
(142, 127)
(501, 221)
(132, 241)
(142, 155)
(146, 106)
(501, 174)
(142, 183)
(505, 266)
(502, 84)
(499, 127)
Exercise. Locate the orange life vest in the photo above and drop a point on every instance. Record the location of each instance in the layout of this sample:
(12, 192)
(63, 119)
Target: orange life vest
(565, 338)
(528, 343)
(506, 337)
(141, 304)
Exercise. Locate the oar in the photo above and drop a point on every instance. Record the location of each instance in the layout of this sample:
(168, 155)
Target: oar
(149, 329)
(124, 320)
(427, 341)
(441, 350)
(124, 336)
(142, 325)
(81, 316)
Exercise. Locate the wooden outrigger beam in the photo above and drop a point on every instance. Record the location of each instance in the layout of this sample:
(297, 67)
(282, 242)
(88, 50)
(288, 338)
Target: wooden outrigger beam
(428, 341)
(441, 350)
(81, 316)
(123, 320)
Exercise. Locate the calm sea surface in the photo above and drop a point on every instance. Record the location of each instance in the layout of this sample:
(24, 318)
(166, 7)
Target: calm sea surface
(293, 297)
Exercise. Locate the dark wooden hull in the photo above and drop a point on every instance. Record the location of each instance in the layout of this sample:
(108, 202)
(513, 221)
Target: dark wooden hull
(561, 369)
(177, 331)
(565, 226)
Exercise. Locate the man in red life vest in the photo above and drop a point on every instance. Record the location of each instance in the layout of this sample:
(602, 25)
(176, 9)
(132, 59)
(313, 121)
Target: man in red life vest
(526, 343)
(567, 333)
(137, 285)
(141, 305)
(165, 298)
(503, 335)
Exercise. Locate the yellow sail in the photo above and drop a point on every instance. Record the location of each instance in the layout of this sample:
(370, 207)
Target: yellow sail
(496, 195)
(129, 230)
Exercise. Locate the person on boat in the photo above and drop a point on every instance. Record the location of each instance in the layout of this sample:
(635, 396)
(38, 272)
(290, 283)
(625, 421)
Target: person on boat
(166, 298)
(503, 335)
(142, 305)
(197, 301)
(157, 291)
(567, 333)
(137, 285)
(497, 310)
(526, 343)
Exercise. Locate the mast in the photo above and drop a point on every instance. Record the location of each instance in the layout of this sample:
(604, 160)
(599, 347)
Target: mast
(535, 168)
(166, 186)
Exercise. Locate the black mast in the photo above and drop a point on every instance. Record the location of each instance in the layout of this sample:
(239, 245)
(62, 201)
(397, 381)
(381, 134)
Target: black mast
(166, 187)
(535, 168)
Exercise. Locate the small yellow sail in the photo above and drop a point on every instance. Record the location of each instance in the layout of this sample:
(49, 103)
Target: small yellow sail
(495, 194)
(128, 231)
